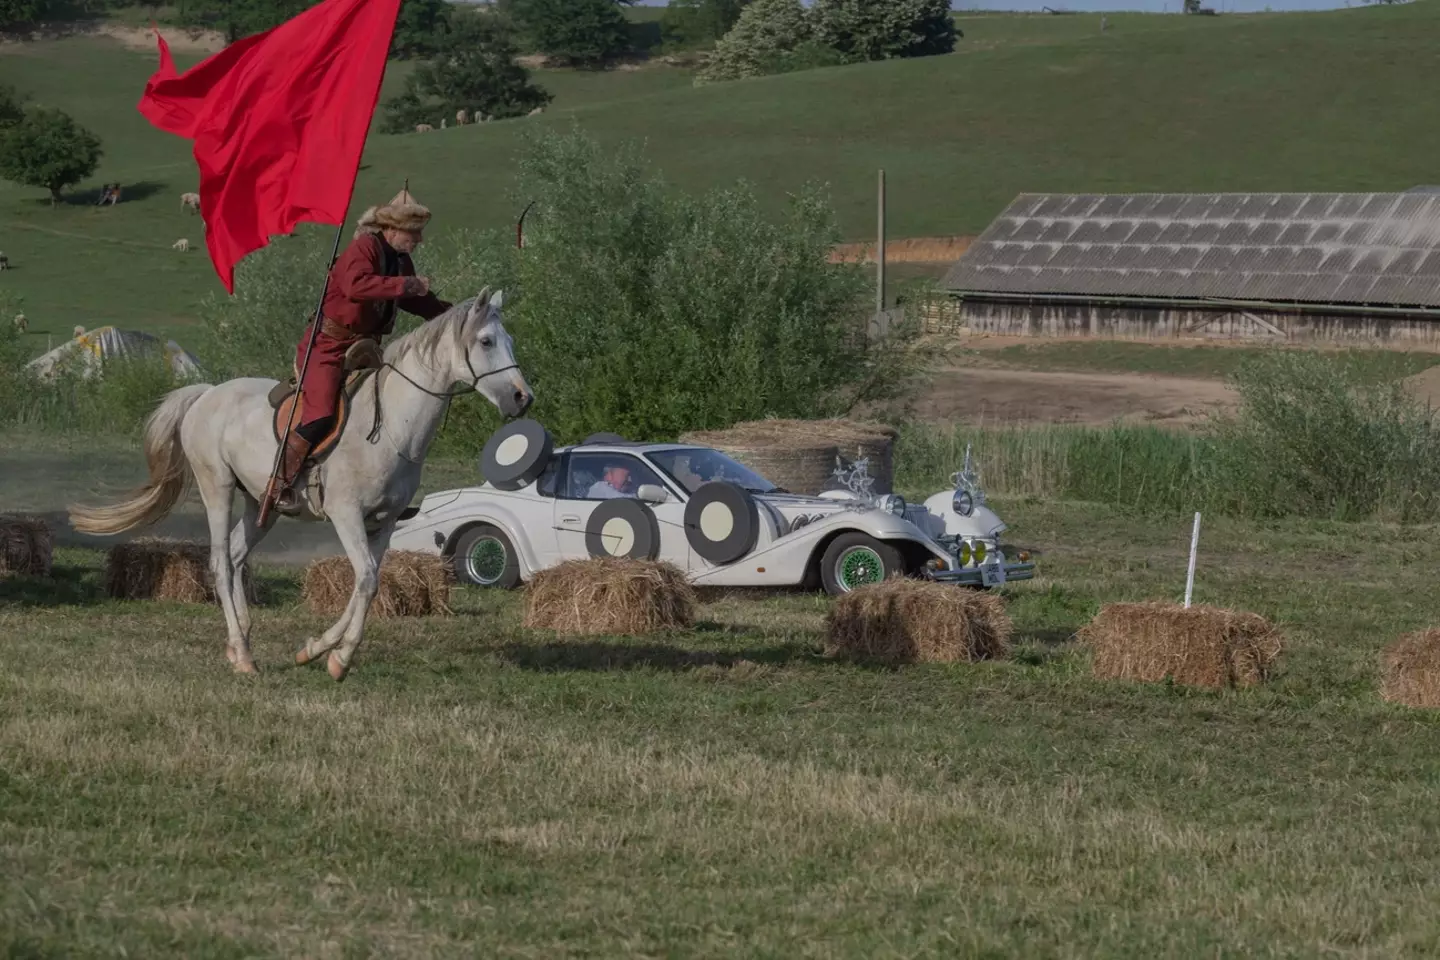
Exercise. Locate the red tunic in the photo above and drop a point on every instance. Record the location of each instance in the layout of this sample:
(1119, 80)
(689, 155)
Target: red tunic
(366, 285)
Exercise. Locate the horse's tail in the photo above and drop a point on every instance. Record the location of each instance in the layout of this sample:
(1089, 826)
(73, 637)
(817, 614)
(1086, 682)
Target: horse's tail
(169, 472)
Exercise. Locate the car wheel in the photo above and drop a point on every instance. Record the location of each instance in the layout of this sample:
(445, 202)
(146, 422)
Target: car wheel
(855, 560)
(485, 557)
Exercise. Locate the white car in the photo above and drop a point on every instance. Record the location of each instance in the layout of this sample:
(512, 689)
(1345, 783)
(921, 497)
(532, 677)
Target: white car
(702, 511)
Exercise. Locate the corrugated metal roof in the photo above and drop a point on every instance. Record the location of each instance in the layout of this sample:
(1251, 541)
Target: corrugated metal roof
(1330, 248)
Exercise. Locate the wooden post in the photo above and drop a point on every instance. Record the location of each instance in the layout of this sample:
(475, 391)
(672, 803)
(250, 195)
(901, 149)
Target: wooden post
(880, 248)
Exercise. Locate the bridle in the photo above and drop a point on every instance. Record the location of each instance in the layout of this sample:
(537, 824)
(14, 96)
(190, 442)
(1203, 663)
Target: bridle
(472, 387)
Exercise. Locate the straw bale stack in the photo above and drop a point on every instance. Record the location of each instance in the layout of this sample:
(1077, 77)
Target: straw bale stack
(1410, 670)
(26, 546)
(1201, 646)
(916, 621)
(412, 584)
(160, 568)
(610, 595)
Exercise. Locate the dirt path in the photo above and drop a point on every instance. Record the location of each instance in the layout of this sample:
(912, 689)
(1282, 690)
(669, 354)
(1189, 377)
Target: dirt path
(979, 394)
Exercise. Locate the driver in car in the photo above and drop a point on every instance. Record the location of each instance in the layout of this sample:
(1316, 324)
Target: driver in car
(612, 484)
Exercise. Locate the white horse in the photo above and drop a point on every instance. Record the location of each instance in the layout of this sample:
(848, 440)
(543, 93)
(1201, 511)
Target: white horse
(222, 435)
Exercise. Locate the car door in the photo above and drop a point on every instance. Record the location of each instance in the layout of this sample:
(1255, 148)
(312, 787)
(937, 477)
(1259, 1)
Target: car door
(579, 495)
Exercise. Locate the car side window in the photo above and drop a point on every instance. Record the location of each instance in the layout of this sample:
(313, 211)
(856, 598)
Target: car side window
(603, 476)
(549, 481)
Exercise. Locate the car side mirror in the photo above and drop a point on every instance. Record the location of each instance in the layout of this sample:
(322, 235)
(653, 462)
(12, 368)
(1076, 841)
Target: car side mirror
(651, 493)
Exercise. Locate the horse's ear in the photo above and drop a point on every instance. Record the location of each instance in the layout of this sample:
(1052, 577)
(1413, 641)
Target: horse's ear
(498, 300)
(479, 307)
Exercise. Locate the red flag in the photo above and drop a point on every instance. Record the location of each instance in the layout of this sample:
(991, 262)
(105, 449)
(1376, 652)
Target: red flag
(279, 122)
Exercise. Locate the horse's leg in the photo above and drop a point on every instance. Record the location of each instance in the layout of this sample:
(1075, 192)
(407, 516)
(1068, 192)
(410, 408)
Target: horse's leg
(217, 489)
(376, 544)
(349, 526)
(243, 539)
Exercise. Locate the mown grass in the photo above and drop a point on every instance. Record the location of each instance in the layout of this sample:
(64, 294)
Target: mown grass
(1214, 362)
(1027, 104)
(477, 789)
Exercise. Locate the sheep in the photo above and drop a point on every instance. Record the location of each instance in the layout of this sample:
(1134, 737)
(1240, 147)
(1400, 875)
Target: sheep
(461, 118)
(190, 201)
(442, 123)
(182, 245)
(4, 262)
(423, 128)
(21, 324)
(536, 112)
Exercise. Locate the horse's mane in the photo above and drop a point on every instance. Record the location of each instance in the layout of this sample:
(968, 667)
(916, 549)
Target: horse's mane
(429, 336)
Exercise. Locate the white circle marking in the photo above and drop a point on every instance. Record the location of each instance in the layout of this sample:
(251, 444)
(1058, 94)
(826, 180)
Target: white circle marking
(511, 449)
(618, 536)
(716, 521)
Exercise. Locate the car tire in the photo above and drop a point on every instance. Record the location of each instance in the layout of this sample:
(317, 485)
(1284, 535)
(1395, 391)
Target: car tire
(485, 557)
(855, 560)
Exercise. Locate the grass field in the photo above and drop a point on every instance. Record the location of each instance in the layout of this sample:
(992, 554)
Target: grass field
(1322, 101)
(1188, 360)
(477, 789)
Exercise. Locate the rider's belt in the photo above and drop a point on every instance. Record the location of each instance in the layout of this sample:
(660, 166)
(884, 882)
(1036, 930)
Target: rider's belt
(336, 331)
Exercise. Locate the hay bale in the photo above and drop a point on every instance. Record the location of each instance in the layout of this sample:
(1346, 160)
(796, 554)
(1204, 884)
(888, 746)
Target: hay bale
(917, 621)
(26, 546)
(1410, 670)
(159, 568)
(412, 584)
(799, 455)
(609, 595)
(1203, 646)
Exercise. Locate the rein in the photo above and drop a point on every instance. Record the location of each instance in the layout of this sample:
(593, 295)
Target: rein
(472, 387)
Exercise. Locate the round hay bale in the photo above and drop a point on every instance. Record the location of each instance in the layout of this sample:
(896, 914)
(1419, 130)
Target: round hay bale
(159, 568)
(412, 584)
(1410, 670)
(799, 455)
(1203, 646)
(610, 595)
(917, 621)
(26, 546)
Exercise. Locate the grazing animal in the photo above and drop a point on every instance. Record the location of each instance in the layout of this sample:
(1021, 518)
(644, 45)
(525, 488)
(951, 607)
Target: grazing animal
(182, 245)
(224, 437)
(21, 324)
(4, 262)
(536, 112)
(442, 123)
(190, 201)
(423, 128)
(462, 117)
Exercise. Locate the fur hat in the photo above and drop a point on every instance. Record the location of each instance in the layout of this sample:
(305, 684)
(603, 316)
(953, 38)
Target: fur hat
(403, 212)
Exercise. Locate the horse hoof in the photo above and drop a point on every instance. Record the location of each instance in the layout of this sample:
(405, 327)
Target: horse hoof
(337, 669)
(231, 655)
(246, 666)
(303, 655)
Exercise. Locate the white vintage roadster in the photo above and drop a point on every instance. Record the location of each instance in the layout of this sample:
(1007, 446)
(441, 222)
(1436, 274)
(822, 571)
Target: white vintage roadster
(702, 511)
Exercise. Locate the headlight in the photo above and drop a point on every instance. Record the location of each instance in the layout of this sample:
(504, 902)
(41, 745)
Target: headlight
(963, 553)
(893, 503)
(963, 503)
(980, 551)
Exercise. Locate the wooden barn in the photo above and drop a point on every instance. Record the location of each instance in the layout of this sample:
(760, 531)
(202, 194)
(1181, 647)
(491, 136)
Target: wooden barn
(1355, 267)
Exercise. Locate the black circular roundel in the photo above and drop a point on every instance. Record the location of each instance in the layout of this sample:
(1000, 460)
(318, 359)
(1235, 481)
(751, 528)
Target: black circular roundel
(623, 527)
(722, 522)
(516, 454)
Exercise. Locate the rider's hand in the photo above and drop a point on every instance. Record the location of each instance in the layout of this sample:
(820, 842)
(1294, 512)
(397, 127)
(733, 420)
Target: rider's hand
(417, 286)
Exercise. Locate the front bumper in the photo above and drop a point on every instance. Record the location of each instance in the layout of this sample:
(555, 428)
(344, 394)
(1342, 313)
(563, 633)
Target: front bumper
(989, 575)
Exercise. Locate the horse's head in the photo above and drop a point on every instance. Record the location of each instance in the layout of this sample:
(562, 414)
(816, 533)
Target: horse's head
(489, 356)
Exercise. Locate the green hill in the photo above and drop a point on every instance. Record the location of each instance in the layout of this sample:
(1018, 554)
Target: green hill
(1314, 101)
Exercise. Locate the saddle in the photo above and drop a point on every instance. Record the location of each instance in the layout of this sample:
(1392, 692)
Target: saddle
(362, 361)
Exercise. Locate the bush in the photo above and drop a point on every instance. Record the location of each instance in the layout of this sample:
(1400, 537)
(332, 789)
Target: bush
(476, 71)
(48, 149)
(883, 29)
(766, 35)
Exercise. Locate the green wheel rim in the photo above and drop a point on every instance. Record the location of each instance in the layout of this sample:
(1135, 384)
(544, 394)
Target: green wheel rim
(858, 567)
(485, 563)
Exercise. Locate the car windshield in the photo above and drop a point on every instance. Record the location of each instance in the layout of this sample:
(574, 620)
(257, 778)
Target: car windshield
(693, 466)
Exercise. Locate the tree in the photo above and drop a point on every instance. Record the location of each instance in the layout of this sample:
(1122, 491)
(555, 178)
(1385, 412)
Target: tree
(12, 109)
(420, 28)
(688, 24)
(883, 29)
(578, 33)
(48, 149)
(475, 71)
(766, 32)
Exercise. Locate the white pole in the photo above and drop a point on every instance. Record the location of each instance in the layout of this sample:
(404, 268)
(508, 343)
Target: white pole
(1190, 575)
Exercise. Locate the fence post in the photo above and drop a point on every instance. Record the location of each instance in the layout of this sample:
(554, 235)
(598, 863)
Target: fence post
(1190, 574)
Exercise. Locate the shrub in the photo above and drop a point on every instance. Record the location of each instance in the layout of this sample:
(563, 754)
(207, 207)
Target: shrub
(476, 71)
(884, 29)
(765, 35)
(47, 149)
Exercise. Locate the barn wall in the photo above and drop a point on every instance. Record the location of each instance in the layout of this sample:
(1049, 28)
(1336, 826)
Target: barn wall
(1008, 318)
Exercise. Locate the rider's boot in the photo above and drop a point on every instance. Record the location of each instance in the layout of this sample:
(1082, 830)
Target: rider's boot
(281, 493)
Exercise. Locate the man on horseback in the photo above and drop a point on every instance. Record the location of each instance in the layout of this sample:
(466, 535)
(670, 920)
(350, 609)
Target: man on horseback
(370, 280)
